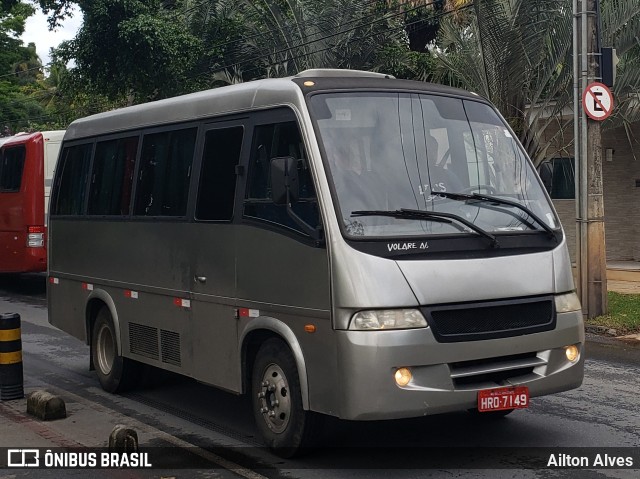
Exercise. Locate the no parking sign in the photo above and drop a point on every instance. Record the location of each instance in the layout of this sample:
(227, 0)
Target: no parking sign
(597, 101)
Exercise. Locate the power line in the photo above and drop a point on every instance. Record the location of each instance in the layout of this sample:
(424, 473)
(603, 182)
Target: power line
(105, 103)
(294, 47)
(330, 47)
(319, 24)
(385, 18)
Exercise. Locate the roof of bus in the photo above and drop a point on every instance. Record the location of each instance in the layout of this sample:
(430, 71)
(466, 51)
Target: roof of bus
(23, 137)
(242, 97)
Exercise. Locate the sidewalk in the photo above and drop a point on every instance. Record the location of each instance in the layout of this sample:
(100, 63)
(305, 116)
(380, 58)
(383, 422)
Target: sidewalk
(625, 287)
(623, 277)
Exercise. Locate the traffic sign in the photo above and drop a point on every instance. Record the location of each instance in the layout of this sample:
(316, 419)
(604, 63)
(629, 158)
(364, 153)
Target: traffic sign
(597, 101)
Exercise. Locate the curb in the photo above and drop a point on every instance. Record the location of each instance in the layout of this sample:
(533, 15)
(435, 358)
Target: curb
(600, 330)
(616, 341)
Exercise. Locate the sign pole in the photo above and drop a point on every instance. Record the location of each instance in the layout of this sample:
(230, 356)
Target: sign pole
(597, 105)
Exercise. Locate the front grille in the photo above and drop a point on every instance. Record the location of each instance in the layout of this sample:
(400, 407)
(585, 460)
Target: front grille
(494, 370)
(491, 319)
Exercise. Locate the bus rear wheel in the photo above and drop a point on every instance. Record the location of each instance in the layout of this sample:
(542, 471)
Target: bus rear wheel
(277, 401)
(115, 373)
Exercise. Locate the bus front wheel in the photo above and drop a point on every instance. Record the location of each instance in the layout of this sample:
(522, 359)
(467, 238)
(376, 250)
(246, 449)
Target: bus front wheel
(115, 373)
(277, 401)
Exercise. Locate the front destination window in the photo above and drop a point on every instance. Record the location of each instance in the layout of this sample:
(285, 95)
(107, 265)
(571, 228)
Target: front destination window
(405, 164)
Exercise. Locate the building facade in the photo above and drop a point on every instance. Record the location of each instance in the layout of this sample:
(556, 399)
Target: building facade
(621, 186)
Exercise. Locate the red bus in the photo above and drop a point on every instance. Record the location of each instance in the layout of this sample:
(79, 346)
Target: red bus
(27, 161)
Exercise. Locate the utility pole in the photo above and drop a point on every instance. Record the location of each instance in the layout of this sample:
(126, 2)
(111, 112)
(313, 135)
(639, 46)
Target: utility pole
(590, 229)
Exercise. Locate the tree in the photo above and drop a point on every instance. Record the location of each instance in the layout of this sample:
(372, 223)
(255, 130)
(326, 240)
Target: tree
(284, 37)
(517, 53)
(130, 49)
(19, 67)
(138, 51)
(620, 27)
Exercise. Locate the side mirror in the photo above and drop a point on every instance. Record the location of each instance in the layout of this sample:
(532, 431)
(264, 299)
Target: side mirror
(284, 180)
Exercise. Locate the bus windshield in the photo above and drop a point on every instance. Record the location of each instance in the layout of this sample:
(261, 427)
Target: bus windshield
(387, 152)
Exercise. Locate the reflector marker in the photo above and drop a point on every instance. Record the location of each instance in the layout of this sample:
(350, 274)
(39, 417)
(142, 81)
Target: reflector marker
(87, 286)
(131, 294)
(182, 303)
(53, 280)
(248, 313)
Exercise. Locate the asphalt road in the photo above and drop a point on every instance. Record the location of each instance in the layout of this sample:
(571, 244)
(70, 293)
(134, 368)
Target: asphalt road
(203, 432)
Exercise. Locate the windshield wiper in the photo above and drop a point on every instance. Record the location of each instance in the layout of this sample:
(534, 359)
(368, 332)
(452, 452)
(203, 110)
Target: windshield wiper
(441, 217)
(499, 201)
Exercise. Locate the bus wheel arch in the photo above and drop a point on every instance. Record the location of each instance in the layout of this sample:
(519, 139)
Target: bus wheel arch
(97, 300)
(115, 372)
(276, 400)
(259, 331)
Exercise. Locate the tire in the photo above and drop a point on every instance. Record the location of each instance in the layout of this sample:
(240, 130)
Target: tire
(115, 373)
(287, 429)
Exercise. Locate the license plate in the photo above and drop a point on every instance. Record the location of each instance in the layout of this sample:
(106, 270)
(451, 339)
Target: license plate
(499, 399)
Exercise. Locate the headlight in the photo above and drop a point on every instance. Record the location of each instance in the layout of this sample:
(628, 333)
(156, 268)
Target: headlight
(567, 302)
(387, 319)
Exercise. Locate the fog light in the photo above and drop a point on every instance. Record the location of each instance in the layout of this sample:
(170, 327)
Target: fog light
(403, 376)
(572, 352)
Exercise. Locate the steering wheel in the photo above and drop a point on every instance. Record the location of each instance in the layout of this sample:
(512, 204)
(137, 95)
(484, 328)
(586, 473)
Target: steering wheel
(488, 188)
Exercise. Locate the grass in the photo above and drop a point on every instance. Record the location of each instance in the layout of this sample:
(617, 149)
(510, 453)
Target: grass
(623, 316)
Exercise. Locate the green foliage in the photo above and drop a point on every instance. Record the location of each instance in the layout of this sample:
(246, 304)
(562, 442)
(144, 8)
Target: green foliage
(19, 68)
(518, 54)
(59, 9)
(623, 316)
(133, 51)
(12, 21)
(285, 37)
(129, 48)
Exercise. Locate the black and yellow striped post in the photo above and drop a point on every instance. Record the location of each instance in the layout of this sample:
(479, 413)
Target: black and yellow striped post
(11, 380)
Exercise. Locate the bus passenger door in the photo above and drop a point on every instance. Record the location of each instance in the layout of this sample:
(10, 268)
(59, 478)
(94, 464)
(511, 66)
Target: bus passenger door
(282, 264)
(213, 238)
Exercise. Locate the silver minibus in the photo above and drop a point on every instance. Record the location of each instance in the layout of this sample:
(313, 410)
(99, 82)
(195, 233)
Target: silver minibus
(336, 243)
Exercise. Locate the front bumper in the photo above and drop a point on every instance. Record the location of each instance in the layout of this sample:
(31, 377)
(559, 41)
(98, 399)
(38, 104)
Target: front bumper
(448, 376)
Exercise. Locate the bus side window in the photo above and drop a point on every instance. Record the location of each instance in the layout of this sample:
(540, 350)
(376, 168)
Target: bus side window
(11, 168)
(271, 141)
(112, 177)
(163, 178)
(216, 193)
(71, 189)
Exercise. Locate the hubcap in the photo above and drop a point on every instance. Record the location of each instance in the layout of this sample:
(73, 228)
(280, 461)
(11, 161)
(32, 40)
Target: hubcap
(274, 399)
(106, 352)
